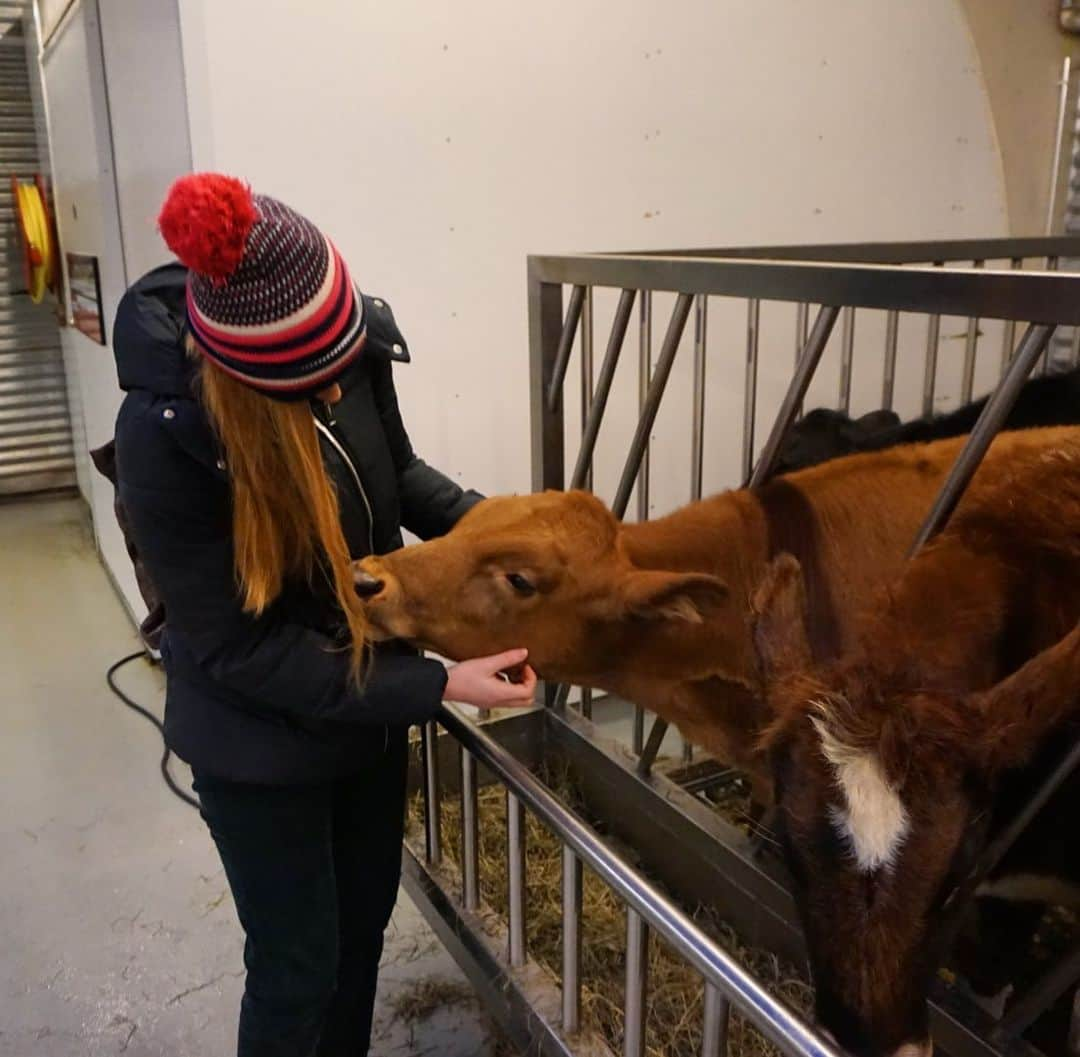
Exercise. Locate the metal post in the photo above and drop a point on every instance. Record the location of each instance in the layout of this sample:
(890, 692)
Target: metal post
(802, 333)
(697, 446)
(653, 397)
(990, 421)
(587, 370)
(1041, 995)
(432, 794)
(971, 348)
(566, 344)
(1074, 352)
(847, 357)
(1051, 266)
(647, 756)
(546, 421)
(644, 381)
(637, 979)
(470, 844)
(888, 382)
(515, 877)
(1008, 335)
(800, 382)
(582, 476)
(753, 319)
(933, 335)
(715, 1028)
(1059, 131)
(571, 935)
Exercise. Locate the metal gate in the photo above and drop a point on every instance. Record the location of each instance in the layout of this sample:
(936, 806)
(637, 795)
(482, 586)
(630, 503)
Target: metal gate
(36, 451)
(685, 854)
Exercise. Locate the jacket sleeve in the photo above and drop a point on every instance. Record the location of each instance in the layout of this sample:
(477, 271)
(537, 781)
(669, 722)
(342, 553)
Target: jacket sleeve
(431, 504)
(180, 518)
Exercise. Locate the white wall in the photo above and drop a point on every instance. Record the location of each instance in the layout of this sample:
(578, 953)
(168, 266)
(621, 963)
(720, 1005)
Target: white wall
(141, 151)
(438, 145)
(144, 74)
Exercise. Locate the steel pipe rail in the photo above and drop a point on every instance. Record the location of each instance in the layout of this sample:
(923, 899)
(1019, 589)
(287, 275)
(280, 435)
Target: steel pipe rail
(769, 1015)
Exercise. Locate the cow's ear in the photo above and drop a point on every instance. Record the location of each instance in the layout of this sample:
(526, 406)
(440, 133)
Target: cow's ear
(779, 607)
(689, 597)
(1010, 720)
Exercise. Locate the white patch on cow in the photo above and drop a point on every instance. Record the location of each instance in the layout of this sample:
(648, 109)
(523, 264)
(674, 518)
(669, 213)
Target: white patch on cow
(1033, 888)
(873, 821)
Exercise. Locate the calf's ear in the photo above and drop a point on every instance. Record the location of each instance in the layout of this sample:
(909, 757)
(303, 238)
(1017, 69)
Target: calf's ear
(1011, 719)
(689, 597)
(779, 608)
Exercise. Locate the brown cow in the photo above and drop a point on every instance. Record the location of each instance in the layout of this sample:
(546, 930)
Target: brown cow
(659, 613)
(890, 764)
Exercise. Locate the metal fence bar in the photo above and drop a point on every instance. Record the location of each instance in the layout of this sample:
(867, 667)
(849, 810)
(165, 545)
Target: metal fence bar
(715, 1024)
(587, 368)
(753, 321)
(888, 380)
(637, 982)
(697, 443)
(566, 343)
(674, 334)
(432, 794)
(800, 382)
(772, 1016)
(847, 356)
(647, 755)
(933, 340)
(637, 736)
(515, 877)
(1074, 352)
(470, 843)
(571, 938)
(582, 476)
(1043, 993)
(802, 333)
(991, 420)
(971, 348)
(1051, 266)
(1008, 335)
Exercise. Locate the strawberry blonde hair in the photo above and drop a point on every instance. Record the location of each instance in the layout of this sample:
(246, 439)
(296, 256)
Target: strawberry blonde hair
(286, 522)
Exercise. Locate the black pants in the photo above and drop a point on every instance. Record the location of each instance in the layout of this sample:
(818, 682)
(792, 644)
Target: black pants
(314, 872)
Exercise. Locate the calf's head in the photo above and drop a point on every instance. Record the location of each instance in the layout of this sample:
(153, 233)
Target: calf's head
(882, 796)
(547, 572)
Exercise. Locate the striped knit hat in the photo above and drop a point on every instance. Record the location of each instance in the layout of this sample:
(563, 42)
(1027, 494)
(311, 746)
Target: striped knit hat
(269, 298)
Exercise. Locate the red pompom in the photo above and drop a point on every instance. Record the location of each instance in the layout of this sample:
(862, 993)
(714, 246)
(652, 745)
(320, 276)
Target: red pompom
(205, 221)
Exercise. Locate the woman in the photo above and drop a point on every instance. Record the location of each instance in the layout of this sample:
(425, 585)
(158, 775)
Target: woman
(260, 449)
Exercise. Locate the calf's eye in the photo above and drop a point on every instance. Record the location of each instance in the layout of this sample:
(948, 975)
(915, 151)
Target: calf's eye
(520, 584)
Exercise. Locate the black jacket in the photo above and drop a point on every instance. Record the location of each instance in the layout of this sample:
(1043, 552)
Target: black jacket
(267, 699)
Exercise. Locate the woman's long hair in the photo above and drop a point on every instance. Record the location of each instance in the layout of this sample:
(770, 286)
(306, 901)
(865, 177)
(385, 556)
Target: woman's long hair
(285, 510)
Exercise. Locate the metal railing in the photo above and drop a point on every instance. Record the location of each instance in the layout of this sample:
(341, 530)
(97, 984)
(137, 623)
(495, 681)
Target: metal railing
(728, 985)
(840, 288)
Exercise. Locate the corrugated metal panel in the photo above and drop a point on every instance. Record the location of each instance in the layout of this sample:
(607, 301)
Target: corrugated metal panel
(36, 451)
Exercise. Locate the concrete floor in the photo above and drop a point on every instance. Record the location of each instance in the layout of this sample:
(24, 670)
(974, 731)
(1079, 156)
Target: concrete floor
(117, 931)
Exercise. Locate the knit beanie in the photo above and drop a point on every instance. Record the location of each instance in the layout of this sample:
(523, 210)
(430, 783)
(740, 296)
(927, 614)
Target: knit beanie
(269, 299)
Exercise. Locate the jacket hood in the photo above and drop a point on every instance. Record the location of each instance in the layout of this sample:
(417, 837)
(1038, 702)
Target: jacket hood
(149, 331)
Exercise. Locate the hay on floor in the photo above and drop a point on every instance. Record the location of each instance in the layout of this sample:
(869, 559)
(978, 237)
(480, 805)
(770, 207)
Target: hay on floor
(675, 991)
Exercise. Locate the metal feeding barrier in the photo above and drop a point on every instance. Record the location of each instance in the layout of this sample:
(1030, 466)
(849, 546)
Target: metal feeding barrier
(685, 854)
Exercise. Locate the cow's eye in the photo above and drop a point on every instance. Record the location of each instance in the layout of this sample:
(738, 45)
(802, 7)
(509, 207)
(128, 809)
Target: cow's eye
(520, 584)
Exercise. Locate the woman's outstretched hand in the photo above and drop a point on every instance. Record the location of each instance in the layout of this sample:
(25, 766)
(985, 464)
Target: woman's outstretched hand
(481, 682)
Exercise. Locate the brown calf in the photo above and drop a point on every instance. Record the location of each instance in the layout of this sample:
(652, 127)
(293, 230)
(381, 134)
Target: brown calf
(888, 764)
(659, 613)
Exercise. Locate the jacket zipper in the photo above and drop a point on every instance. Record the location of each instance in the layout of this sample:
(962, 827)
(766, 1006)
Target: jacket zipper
(340, 449)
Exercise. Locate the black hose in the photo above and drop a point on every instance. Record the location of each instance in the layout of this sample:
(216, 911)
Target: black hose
(135, 706)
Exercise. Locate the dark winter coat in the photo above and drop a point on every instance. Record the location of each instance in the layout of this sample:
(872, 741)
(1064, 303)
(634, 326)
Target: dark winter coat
(267, 699)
